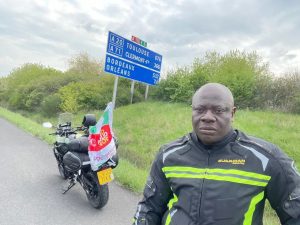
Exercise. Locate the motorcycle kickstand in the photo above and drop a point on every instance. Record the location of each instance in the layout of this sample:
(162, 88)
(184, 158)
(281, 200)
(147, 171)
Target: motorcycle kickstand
(66, 189)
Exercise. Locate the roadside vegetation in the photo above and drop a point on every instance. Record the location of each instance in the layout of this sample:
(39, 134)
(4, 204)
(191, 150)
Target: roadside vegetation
(34, 88)
(268, 104)
(142, 128)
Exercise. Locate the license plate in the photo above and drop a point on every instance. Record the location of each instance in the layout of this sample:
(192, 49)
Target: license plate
(105, 176)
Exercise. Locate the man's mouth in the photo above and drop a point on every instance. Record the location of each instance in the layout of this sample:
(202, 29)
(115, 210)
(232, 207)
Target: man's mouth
(207, 130)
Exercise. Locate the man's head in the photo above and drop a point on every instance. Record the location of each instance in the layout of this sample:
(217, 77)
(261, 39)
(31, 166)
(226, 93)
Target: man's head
(213, 112)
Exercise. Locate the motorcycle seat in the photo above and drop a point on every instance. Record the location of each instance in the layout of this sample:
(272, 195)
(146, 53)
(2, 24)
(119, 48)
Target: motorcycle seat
(79, 145)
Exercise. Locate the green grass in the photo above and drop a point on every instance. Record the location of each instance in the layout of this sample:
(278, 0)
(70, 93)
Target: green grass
(27, 124)
(270, 217)
(130, 176)
(278, 128)
(142, 128)
(126, 173)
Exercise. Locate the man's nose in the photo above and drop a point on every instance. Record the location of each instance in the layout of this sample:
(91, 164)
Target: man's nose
(208, 116)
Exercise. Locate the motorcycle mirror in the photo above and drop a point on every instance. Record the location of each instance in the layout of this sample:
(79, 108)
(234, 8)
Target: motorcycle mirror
(47, 124)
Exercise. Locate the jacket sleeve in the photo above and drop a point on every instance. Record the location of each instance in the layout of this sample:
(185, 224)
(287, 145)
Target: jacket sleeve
(283, 190)
(156, 195)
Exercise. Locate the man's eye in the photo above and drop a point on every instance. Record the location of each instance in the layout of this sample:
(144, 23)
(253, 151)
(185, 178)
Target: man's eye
(220, 110)
(200, 110)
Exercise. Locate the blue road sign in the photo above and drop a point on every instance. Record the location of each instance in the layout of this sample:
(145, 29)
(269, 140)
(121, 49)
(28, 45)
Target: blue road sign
(130, 70)
(128, 59)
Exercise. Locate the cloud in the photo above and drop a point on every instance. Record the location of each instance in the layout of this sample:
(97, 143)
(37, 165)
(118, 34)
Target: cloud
(51, 32)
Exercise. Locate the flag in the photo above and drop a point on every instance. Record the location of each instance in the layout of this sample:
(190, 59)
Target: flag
(101, 143)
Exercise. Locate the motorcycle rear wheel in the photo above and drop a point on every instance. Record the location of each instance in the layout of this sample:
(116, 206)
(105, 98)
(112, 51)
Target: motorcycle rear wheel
(97, 194)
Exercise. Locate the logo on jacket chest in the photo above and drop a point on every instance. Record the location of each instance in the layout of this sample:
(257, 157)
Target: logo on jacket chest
(233, 161)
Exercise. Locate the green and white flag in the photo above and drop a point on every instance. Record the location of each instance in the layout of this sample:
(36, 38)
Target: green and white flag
(101, 143)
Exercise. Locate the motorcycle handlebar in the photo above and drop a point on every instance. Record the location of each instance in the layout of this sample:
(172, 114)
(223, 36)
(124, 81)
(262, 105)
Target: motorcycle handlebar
(67, 132)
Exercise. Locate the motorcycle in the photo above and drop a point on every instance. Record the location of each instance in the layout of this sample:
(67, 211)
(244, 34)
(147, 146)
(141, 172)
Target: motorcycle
(71, 153)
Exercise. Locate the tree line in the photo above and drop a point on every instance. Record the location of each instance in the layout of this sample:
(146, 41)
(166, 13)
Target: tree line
(35, 88)
(253, 85)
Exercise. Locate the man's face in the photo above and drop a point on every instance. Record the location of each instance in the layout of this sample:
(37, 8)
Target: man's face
(212, 115)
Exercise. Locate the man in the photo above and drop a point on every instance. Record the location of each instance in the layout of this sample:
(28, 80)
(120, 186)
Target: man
(216, 175)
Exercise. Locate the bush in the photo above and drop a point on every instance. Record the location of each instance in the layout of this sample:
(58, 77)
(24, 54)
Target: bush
(262, 97)
(88, 95)
(26, 86)
(296, 104)
(285, 92)
(84, 66)
(178, 87)
(84, 86)
(50, 105)
(16, 100)
(34, 100)
(239, 71)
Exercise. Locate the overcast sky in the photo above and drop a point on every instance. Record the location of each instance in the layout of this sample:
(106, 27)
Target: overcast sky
(51, 32)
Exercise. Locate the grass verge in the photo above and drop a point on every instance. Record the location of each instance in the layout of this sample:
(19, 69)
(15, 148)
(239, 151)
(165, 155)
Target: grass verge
(126, 173)
(142, 128)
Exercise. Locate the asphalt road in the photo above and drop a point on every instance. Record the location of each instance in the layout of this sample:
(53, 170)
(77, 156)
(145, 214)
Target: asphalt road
(30, 188)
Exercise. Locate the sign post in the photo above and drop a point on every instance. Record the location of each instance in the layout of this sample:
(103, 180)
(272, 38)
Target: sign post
(146, 92)
(131, 91)
(115, 91)
(130, 60)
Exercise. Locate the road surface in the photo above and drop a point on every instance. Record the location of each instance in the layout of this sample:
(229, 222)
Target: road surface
(30, 188)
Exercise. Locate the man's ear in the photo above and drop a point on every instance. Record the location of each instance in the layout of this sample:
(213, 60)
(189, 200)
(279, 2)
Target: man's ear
(233, 112)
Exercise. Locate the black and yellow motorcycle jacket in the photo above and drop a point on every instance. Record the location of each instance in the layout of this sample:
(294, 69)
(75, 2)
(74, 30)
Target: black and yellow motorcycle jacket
(223, 184)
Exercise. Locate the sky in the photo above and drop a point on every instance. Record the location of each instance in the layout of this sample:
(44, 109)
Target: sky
(52, 32)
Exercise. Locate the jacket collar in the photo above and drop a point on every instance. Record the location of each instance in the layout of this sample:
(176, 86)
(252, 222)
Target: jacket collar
(231, 136)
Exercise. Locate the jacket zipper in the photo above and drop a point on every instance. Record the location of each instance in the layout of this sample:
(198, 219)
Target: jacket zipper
(202, 185)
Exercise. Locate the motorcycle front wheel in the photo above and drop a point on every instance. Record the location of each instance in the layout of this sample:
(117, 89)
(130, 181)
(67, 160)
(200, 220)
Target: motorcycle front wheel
(96, 194)
(62, 171)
